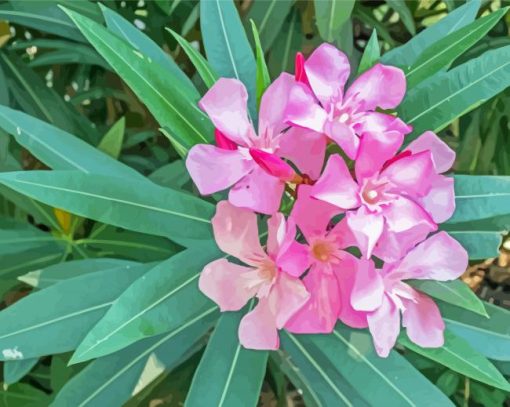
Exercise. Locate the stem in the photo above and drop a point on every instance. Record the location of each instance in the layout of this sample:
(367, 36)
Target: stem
(466, 392)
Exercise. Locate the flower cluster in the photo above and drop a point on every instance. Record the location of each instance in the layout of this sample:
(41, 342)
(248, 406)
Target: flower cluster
(356, 231)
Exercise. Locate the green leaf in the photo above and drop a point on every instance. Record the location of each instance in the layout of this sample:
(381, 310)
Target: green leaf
(13, 265)
(281, 58)
(263, 79)
(479, 331)
(480, 245)
(269, 17)
(457, 355)
(406, 54)
(111, 143)
(448, 382)
(166, 297)
(173, 175)
(61, 314)
(141, 42)
(112, 380)
(226, 45)
(371, 54)
(23, 395)
(163, 94)
(441, 54)
(439, 100)
(325, 385)
(59, 149)
(15, 370)
(331, 16)
(202, 66)
(405, 14)
(138, 206)
(238, 378)
(453, 292)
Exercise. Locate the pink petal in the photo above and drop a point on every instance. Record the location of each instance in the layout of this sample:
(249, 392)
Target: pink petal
(214, 169)
(402, 214)
(440, 200)
(311, 215)
(344, 136)
(294, 260)
(366, 227)
(381, 86)
(343, 234)
(225, 104)
(384, 325)
(305, 148)
(375, 122)
(290, 295)
(228, 284)
(276, 231)
(223, 141)
(320, 313)
(258, 191)
(442, 155)
(273, 165)
(273, 105)
(303, 109)
(440, 257)
(424, 324)
(257, 329)
(236, 233)
(336, 185)
(374, 150)
(412, 173)
(368, 289)
(327, 70)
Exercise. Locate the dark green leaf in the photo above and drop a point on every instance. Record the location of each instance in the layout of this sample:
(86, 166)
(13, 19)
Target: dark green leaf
(286, 45)
(331, 16)
(269, 17)
(263, 79)
(403, 11)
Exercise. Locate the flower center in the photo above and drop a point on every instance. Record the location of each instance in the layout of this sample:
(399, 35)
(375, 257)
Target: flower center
(374, 192)
(267, 270)
(325, 250)
(343, 118)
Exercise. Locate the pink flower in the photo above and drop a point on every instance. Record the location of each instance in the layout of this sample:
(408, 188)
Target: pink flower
(280, 294)
(396, 200)
(249, 162)
(381, 296)
(318, 101)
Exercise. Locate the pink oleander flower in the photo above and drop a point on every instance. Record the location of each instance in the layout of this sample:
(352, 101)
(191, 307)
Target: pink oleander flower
(394, 197)
(279, 291)
(324, 254)
(249, 163)
(318, 101)
(380, 297)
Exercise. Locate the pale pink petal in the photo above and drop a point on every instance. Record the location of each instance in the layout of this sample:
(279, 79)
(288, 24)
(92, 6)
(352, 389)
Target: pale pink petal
(375, 122)
(343, 234)
(424, 324)
(368, 289)
(381, 86)
(303, 109)
(440, 257)
(440, 200)
(384, 325)
(345, 273)
(257, 329)
(276, 231)
(366, 227)
(290, 295)
(214, 169)
(327, 70)
(305, 148)
(228, 285)
(336, 185)
(442, 155)
(294, 260)
(258, 191)
(311, 215)
(273, 165)
(344, 136)
(374, 150)
(402, 214)
(393, 246)
(411, 173)
(273, 105)
(226, 105)
(320, 313)
(236, 233)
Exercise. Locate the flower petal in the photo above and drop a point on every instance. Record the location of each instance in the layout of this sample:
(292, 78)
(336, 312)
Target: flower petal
(403, 214)
(273, 105)
(276, 233)
(214, 169)
(368, 289)
(375, 122)
(440, 200)
(303, 109)
(320, 313)
(366, 227)
(273, 165)
(423, 321)
(257, 329)
(236, 233)
(384, 325)
(226, 105)
(228, 284)
(336, 185)
(258, 191)
(381, 86)
(327, 70)
(294, 260)
(442, 155)
(344, 136)
(290, 294)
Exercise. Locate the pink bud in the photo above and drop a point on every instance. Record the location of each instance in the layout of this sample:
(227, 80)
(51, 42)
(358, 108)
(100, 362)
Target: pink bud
(273, 165)
(300, 73)
(223, 141)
